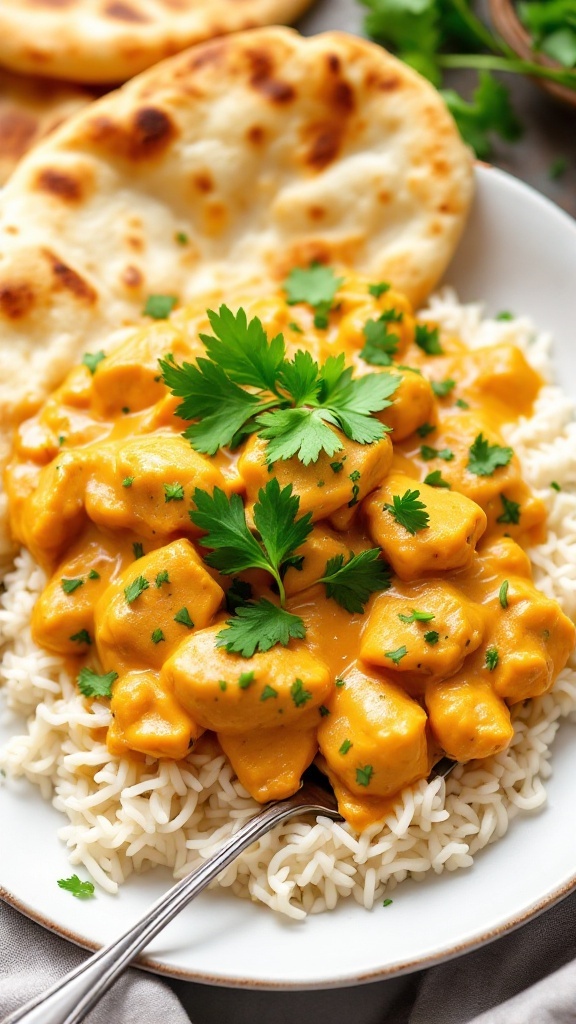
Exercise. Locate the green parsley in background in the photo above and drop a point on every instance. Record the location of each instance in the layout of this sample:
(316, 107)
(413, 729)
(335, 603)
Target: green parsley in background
(434, 36)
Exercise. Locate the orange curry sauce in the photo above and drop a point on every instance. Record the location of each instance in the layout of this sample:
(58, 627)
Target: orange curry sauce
(88, 498)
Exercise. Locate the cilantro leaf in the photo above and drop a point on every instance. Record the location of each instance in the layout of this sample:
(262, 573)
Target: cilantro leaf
(316, 286)
(490, 112)
(428, 453)
(435, 479)
(93, 685)
(134, 589)
(183, 617)
(503, 594)
(512, 511)
(300, 377)
(173, 492)
(92, 359)
(416, 616)
(345, 747)
(81, 890)
(300, 432)
(69, 586)
(485, 458)
(442, 388)
(268, 692)
(351, 401)
(492, 658)
(409, 512)
(258, 627)
(159, 307)
(352, 583)
(242, 349)
(396, 656)
(380, 345)
(432, 637)
(428, 339)
(157, 636)
(239, 592)
(245, 679)
(162, 577)
(424, 429)
(138, 549)
(363, 775)
(299, 694)
(379, 288)
(275, 518)
(81, 637)
(224, 520)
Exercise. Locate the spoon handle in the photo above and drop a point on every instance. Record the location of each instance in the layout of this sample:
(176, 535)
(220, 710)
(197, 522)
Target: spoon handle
(70, 999)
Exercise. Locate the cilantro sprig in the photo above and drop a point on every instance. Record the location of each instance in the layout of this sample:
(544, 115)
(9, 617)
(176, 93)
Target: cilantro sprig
(485, 458)
(409, 512)
(317, 285)
(292, 404)
(81, 890)
(351, 583)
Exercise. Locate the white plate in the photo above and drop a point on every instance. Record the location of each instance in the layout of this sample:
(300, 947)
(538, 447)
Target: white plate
(519, 253)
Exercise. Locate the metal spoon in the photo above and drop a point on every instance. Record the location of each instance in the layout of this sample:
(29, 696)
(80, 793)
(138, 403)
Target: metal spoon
(70, 999)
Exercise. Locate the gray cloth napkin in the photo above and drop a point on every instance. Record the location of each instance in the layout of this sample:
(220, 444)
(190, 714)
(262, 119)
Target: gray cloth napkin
(527, 977)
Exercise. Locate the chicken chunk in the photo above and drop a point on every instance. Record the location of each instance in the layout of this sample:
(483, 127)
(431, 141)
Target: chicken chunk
(269, 762)
(148, 719)
(467, 718)
(413, 404)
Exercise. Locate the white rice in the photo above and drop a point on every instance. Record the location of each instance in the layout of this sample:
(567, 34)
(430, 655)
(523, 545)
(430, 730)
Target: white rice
(125, 816)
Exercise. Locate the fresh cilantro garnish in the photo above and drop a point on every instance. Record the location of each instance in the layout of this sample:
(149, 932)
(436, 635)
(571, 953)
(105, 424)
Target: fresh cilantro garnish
(380, 345)
(81, 637)
(93, 685)
(93, 575)
(128, 481)
(387, 902)
(432, 637)
(379, 288)
(428, 339)
(138, 549)
(223, 685)
(323, 711)
(159, 307)
(173, 492)
(92, 359)
(295, 327)
(504, 314)
(492, 658)
(183, 617)
(157, 636)
(424, 429)
(162, 577)
(61, 440)
(345, 747)
(336, 467)
(489, 112)
(299, 695)
(259, 626)
(363, 775)
(416, 616)
(442, 388)
(316, 286)
(436, 479)
(409, 512)
(461, 403)
(485, 458)
(397, 655)
(245, 679)
(134, 589)
(69, 586)
(352, 583)
(268, 692)
(555, 486)
(428, 453)
(340, 682)
(239, 592)
(181, 237)
(81, 890)
(293, 404)
(511, 513)
(503, 594)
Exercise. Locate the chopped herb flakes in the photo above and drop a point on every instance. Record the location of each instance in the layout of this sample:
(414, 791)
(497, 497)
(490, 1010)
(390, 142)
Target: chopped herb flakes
(93, 685)
(295, 327)
(351, 583)
(379, 288)
(511, 513)
(409, 512)
(336, 467)
(268, 692)
(428, 453)
(134, 589)
(239, 593)
(555, 486)
(380, 346)
(181, 237)
(428, 339)
(424, 429)
(92, 359)
(323, 711)
(416, 616)
(387, 902)
(81, 890)
(138, 549)
(245, 679)
(157, 636)
(485, 458)
(461, 403)
(396, 656)
(161, 578)
(128, 481)
(363, 775)
(159, 307)
(442, 388)
(340, 682)
(435, 479)
(432, 637)
(69, 586)
(316, 286)
(81, 637)
(345, 747)
(223, 685)
(503, 594)
(173, 492)
(299, 695)
(505, 314)
(492, 658)
(183, 617)
(93, 575)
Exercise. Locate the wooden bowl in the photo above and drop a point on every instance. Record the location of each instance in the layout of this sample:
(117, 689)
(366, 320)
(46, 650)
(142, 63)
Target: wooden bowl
(506, 21)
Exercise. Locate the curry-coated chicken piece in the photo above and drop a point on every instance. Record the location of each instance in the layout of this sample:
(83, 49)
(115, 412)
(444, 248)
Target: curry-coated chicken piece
(445, 541)
(54, 514)
(63, 616)
(145, 484)
(152, 607)
(422, 631)
(468, 719)
(533, 639)
(148, 719)
(343, 479)
(374, 739)
(230, 694)
(412, 406)
(269, 762)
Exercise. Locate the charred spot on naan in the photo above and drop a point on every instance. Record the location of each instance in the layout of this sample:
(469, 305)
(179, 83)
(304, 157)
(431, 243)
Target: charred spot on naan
(64, 277)
(63, 185)
(147, 135)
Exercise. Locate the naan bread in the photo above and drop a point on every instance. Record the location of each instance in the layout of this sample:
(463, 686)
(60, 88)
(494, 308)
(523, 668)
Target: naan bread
(31, 108)
(103, 41)
(233, 161)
